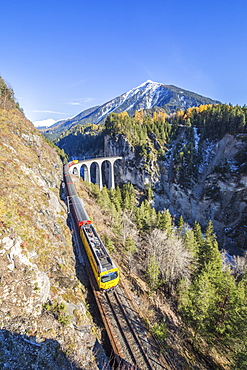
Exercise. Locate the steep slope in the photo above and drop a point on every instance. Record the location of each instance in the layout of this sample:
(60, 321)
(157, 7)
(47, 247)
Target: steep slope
(218, 193)
(44, 323)
(194, 175)
(146, 96)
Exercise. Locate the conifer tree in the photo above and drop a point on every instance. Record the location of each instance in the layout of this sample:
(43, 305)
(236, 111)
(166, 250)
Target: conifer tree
(198, 234)
(149, 192)
(208, 250)
(104, 198)
(95, 190)
(191, 243)
(165, 221)
(153, 217)
(116, 197)
(198, 304)
(180, 225)
(146, 215)
(142, 216)
(128, 196)
(130, 245)
(239, 320)
(213, 303)
(153, 273)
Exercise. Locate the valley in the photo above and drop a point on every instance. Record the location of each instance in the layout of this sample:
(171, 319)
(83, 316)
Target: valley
(178, 206)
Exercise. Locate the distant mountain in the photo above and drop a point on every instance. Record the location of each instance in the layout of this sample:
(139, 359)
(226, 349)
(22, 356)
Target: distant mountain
(146, 96)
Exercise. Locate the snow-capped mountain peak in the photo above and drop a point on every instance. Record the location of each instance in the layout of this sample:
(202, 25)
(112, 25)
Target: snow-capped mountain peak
(145, 96)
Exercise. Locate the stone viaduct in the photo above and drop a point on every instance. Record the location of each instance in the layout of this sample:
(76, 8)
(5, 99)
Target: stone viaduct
(87, 163)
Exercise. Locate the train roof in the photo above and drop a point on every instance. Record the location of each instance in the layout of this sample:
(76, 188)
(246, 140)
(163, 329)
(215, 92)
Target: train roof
(99, 251)
(80, 212)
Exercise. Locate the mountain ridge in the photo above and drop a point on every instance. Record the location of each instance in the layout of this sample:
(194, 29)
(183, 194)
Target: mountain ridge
(148, 95)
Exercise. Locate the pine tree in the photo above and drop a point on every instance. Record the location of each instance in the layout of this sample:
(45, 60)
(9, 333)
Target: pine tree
(149, 192)
(153, 273)
(128, 197)
(104, 198)
(153, 217)
(95, 190)
(198, 234)
(146, 215)
(208, 250)
(213, 304)
(227, 304)
(140, 216)
(191, 243)
(116, 198)
(198, 304)
(130, 245)
(180, 225)
(165, 221)
(239, 320)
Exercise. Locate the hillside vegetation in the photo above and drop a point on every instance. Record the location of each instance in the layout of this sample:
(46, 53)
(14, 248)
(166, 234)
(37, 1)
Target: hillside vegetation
(210, 294)
(43, 314)
(185, 266)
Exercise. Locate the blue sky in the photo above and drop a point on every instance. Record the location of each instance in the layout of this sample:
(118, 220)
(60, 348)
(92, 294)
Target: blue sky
(62, 57)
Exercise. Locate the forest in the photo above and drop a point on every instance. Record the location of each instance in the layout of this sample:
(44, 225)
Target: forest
(184, 264)
(150, 133)
(155, 135)
(213, 122)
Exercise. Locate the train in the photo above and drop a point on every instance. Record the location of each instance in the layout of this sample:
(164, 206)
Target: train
(104, 269)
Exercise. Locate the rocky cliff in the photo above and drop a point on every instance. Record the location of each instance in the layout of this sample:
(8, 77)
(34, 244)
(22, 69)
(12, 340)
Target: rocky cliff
(44, 320)
(216, 190)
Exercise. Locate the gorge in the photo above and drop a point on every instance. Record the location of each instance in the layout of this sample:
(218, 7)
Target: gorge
(189, 163)
(199, 178)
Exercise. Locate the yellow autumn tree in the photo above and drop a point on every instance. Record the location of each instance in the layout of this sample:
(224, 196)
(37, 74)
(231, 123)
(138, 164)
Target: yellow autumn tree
(123, 115)
(139, 116)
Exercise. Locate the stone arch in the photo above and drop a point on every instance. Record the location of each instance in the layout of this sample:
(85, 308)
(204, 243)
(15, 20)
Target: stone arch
(106, 171)
(95, 173)
(116, 174)
(85, 172)
(75, 171)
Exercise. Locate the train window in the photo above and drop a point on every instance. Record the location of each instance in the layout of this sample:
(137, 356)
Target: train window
(109, 277)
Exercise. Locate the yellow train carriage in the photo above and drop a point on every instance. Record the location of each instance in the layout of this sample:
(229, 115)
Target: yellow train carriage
(104, 269)
(109, 279)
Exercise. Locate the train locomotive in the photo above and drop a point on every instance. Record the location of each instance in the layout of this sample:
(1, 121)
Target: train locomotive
(105, 271)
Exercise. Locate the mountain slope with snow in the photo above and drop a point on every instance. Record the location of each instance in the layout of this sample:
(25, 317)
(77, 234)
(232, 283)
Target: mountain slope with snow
(146, 96)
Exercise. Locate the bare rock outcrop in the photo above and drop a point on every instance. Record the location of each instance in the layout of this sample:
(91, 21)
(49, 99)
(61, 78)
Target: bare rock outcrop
(216, 191)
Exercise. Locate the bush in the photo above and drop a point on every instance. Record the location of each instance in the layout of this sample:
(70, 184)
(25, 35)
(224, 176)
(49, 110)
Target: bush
(58, 310)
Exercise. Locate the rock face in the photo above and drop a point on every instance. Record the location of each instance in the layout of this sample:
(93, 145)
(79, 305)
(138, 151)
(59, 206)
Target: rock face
(219, 193)
(217, 190)
(33, 287)
(133, 167)
(44, 323)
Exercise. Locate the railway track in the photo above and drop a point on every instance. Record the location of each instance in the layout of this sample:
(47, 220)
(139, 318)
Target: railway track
(125, 324)
(133, 347)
